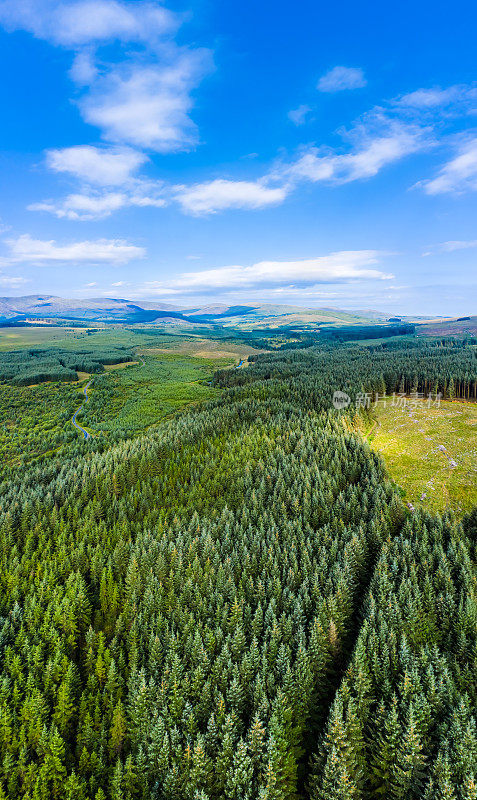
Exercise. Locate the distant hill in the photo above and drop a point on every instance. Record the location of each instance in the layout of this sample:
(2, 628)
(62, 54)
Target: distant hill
(108, 309)
(271, 315)
(463, 326)
(94, 309)
(32, 309)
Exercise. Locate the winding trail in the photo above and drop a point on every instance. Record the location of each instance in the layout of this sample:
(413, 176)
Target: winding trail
(73, 418)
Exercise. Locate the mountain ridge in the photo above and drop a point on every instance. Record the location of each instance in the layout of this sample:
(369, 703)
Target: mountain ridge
(33, 308)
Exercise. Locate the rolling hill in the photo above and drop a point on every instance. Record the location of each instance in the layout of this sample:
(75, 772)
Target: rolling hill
(42, 309)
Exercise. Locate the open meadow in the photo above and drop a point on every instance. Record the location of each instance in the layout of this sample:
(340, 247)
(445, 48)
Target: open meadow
(431, 453)
(38, 336)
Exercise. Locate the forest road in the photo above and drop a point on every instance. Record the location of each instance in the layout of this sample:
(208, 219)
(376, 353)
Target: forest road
(73, 418)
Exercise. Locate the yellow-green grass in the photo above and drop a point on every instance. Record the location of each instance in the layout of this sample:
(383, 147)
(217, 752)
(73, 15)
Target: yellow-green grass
(411, 440)
(210, 349)
(36, 336)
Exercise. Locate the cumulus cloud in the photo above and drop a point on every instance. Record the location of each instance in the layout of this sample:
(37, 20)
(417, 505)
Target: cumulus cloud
(147, 106)
(335, 267)
(72, 24)
(111, 166)
(457, 175)
(100, 168)
(340, 78)
(142, 97)
(83, 207)
(86, 207)
(376, 140)
(386, 134)
(26, 249)
(217, 195)
(374, 144)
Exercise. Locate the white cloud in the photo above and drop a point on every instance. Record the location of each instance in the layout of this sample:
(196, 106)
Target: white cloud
(372, 150)
(143, 97)
(83, 69)
(450, 247)
(456, 99)
(376, 140)
(335, 267)
(100, 20)
(100, 167)
(148, 106)
(84, 207)
(457, 175)
(429, 98)
(298, 115)
(217, 195)
(38, 252)
(73, 24)
(387, 134)
(197, 199)
(340, 78)
(111, 166)
(12, 281)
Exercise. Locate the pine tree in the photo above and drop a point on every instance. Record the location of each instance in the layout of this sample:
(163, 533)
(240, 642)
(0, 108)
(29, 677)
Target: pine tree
(118, 729)
(53, 770)
(239, 779)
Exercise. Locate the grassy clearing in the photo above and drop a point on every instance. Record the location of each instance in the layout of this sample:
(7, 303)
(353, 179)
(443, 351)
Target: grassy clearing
(207, 349)
(421, 445)
(68, 338)
(112, 367)
(39, 336)
(383, 340)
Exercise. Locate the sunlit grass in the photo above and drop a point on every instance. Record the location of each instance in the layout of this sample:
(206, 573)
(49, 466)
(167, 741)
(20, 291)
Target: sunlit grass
(411, 442)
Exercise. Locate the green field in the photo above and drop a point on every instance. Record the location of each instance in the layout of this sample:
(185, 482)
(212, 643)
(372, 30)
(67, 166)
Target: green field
(170, 371)
(411, 442)
(131, 399)
(38, 336)
(73, 338)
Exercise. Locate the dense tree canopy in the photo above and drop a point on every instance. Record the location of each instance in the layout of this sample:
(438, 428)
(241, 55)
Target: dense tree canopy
(26, 367)
(238, 605)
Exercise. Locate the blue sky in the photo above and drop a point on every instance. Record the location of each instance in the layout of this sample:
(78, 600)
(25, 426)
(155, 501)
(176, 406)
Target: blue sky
(304, 153)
